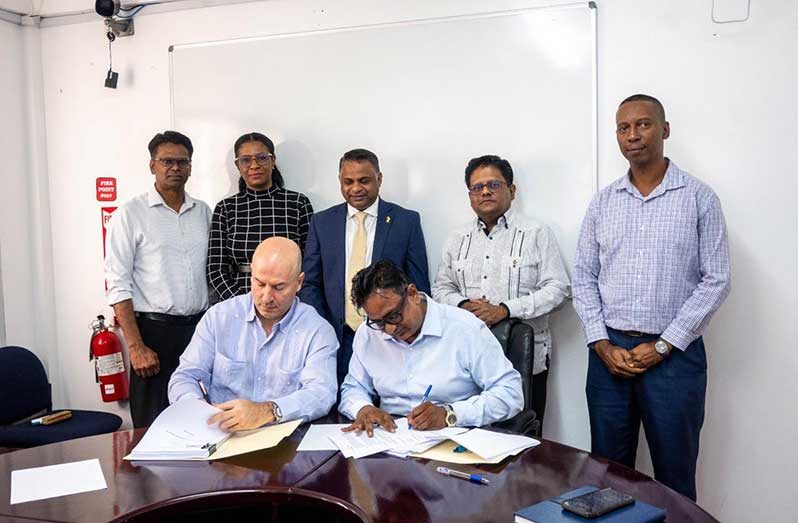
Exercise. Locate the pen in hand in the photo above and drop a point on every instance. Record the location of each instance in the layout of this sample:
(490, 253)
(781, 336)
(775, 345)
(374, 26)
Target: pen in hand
(423, 399)
(204, 391)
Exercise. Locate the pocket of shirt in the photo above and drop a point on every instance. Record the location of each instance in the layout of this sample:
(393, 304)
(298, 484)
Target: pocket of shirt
(230, 379)
(520, 275)
(463, 274)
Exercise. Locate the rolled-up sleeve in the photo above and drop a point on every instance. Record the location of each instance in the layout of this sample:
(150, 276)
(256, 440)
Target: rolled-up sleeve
(120, 252)
(502, 396)
(318, 380)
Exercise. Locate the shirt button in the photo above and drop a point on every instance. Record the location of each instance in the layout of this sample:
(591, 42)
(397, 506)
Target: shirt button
(487, 257)
(484, 277)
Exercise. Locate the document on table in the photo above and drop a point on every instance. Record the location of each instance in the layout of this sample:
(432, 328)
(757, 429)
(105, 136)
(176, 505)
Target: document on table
(318, 437)
(56, 480)
(401, 442)
(489, 445)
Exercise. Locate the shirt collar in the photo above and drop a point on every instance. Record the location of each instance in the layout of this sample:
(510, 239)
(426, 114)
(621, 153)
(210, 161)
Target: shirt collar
(505, 220)
(284, 322)
(154, 199)
(371, 210)
(673, 179)
(432, 326)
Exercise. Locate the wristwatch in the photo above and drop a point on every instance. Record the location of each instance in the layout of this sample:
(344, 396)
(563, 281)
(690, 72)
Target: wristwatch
(662, 348)
(451, 417)
(278, 414)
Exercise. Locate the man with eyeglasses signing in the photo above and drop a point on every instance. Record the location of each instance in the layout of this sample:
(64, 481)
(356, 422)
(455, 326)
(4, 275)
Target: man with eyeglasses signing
(410, 342)
(503, 264)
(156, 251)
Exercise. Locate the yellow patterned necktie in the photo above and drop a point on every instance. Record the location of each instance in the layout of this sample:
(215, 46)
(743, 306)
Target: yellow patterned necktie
(357, 260)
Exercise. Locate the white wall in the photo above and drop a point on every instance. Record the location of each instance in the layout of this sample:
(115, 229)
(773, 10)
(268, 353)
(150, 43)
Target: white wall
(15, 219)
(728, 90)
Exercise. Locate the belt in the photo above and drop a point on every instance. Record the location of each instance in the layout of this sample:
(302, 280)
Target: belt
(170, 318)
(638, 334)
(243, 267)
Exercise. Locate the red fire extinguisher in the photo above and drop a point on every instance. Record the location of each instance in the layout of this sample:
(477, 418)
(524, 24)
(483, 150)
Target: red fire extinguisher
(109, 368)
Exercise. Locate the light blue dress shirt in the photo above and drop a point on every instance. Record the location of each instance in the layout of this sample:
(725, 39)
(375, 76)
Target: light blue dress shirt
(657, 264)
(454, 352)
(230, 352)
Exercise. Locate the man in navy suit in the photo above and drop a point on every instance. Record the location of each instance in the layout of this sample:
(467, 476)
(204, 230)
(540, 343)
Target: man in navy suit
(350, 236)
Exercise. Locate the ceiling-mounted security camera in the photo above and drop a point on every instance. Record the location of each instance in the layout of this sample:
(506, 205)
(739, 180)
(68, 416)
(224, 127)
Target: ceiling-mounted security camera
(107, 8)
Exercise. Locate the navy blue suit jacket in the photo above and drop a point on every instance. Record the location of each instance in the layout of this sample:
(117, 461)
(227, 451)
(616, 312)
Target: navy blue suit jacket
(398, 238)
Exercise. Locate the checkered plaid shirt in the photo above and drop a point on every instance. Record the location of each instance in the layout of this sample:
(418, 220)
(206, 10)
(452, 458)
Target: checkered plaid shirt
(657, 264)
(241, 222)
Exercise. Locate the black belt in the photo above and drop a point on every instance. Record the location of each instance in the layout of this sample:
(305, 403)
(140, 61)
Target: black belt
(638, 334)
(171, 318)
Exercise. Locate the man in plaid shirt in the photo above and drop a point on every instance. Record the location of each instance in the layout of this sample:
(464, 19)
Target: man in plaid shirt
(652, 266)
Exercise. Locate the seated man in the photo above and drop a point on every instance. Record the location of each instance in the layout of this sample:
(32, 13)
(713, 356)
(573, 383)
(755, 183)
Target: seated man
(265, 356)
(408, 343)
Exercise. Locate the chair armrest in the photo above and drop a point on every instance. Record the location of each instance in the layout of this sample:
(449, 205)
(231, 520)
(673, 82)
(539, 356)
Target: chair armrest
(524, 423)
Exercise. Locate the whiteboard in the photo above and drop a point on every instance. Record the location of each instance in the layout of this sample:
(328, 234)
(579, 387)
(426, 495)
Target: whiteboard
(426, 96)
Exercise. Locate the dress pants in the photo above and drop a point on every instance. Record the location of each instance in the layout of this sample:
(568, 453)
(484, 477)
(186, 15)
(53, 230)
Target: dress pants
(148, 396)
(539, 381)
(669, 400)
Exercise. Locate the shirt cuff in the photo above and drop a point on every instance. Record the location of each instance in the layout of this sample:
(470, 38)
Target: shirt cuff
(351, 409)
(466, 414)
(596, 332)
(677, 337)
(521, 307)
(117, 296)
(290, 409)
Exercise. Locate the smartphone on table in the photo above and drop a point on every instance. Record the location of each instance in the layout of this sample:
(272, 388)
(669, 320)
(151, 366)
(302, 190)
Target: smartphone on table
(597, 503)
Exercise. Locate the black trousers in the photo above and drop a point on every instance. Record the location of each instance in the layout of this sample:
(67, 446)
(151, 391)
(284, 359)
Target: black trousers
(539, 395)
(148, 396)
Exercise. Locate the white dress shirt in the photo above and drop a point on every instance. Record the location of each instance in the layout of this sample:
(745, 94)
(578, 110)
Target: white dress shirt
(518, 263)
(371, 228)
(294, 366)
(156, 256)
(454, 352)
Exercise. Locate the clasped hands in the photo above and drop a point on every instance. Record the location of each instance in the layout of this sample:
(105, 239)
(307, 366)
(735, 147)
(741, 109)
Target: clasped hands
(240, 414)
(426, 416)
(627, 363)
(485, 311)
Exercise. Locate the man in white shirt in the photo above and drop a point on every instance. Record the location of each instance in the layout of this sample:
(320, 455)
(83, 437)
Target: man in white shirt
(503, 264)
(156, 252)
(410, 344)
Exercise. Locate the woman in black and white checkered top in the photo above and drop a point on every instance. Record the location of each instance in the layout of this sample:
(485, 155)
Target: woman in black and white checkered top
(261, 209)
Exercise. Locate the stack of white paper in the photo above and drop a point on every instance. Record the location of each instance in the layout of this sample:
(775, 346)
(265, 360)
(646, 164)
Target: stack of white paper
(181, 432)
(494, 446)
(400, 443)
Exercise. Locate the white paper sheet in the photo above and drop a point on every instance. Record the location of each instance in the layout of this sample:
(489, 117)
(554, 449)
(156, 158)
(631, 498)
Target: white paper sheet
(318, 437)
(56, 480)
(401, 442)
(489, 445)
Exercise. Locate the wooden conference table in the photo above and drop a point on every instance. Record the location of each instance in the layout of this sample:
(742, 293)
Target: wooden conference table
(378, 488)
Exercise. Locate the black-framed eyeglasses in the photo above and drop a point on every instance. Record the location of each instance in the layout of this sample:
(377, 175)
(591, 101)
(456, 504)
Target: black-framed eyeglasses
(493, 186)
(262, 159)
(394, 317)
(182, 163)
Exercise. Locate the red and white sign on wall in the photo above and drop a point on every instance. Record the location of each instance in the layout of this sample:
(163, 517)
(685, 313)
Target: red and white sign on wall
(106, 215)
(106, 189)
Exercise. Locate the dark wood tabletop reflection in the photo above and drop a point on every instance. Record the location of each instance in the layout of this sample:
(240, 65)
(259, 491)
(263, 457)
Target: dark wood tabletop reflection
(387, 489)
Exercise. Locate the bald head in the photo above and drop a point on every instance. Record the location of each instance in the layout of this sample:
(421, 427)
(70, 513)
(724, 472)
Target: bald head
(276, 278)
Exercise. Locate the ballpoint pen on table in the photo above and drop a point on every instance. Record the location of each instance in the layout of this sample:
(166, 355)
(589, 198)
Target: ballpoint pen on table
(423, 399)
(52, 418)
(473, 478)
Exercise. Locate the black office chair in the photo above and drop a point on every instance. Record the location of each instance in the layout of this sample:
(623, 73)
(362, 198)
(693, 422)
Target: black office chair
(518, 342)
(25, 394)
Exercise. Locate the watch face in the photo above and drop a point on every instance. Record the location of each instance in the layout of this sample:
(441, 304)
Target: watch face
(661, 347)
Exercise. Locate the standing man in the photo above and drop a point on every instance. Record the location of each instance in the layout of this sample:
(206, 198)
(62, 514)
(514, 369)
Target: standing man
(504, 265)
(652, 266)
(157, 248)
(350, 236)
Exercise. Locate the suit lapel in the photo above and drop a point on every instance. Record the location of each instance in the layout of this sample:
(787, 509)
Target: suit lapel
(384, 222)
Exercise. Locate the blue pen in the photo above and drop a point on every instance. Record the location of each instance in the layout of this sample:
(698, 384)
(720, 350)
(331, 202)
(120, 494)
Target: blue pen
(473, 478)
(423, 399)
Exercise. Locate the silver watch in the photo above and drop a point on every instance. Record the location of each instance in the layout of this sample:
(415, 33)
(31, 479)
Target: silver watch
(278, 414)
(662, 348)
(451, 417)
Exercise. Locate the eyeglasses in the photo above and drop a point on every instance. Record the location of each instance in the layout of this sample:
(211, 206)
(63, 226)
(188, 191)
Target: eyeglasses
(393, 318)
(493, 186)
(262, 159)
(182, 163)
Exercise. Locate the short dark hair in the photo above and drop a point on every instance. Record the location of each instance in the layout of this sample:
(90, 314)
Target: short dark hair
(646, 98)
(170, 137)
(360, 155)
(383, 274)
(277, 176)
(501, 164)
